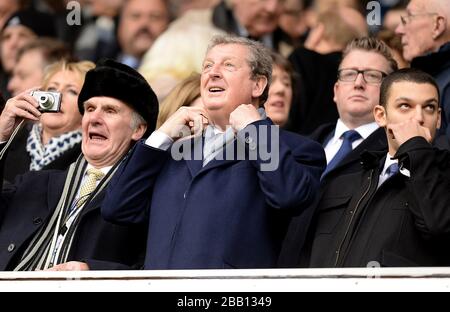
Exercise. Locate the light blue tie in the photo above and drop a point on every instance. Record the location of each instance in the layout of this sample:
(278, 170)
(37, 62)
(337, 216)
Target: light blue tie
(391, 170)
(349, 137)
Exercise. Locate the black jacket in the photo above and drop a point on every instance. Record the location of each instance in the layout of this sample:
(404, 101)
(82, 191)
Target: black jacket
(314, 105)
(405, 222)
(26, 206)
(294, 249)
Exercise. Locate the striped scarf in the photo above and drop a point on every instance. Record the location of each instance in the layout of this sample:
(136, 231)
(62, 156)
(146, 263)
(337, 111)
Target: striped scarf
(52, 244)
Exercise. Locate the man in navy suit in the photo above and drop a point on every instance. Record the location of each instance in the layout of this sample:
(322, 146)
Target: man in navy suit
(221, 199)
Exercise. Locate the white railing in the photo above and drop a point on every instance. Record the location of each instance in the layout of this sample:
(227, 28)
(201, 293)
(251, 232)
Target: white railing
(286, 280)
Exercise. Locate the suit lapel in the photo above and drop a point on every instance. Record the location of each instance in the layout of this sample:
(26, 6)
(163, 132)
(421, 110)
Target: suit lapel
(56, 181)
(230, 149)
(94, 204)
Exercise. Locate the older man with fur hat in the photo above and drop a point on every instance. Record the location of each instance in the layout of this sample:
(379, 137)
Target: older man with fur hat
(51, 219)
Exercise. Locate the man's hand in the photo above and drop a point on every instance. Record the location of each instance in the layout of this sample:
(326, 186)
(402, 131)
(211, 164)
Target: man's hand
(70, 266)
(243, 115)
(22, 106)
(184, 122)
(402, 132)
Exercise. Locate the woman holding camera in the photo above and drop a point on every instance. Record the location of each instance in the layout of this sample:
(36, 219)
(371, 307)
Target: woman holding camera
(55, 141)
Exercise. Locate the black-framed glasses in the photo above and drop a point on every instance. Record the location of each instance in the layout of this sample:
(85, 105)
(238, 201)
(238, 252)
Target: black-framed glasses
(406, 19)
(369, 75)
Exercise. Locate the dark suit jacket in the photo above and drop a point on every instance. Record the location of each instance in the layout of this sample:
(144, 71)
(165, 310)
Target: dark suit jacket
(228, 214)
(18, 160)
(27, 205)
(295, 251)
(404, 222)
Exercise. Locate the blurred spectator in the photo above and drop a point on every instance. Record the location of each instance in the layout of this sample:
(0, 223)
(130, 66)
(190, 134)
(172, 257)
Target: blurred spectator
(180, 50)
(31, 62)
(98, 36)
(141, 22)
(21, 28)
(54, 142)
(317, 64)
(186, 93)
(294, 25)
(7, 8)
(279, 102)
(425, 32)
(394, 42)
(179, 7)
(392, 18)
(177, 53)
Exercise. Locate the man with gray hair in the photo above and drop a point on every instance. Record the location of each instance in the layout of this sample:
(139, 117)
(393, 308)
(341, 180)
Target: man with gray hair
(425, 32)
(214, 207)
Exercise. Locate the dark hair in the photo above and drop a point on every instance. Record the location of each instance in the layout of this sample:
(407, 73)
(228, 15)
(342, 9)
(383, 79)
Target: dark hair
(283, 63)
(408, 75)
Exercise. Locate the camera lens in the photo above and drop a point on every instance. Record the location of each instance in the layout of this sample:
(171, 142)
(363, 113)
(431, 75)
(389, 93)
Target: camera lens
(46, 101)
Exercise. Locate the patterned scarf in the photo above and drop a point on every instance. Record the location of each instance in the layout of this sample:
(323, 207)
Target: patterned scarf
(52, 244)
(42, 155)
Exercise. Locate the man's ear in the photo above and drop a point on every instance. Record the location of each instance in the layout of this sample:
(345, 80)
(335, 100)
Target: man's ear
(379, 112)
(259, 86)
(438, 125)
(336, 87)
(139, 132)
(439, 27)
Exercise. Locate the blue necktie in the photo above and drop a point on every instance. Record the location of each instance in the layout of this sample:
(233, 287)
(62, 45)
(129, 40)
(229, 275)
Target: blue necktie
(349, 137)
(391, 170)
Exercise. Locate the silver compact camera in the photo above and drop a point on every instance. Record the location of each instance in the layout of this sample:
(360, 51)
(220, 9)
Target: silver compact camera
(49, 102)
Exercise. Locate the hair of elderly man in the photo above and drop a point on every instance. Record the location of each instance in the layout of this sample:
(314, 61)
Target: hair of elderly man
(371, 44)
(405, 75)
(259, 58)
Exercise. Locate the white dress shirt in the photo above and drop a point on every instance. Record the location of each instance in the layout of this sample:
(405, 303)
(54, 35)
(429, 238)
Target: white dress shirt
(335, 143)
(384, 175)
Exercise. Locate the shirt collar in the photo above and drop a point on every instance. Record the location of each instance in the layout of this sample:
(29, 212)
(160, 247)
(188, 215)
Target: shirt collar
(365, 130)
(105, 170)
(389, 161)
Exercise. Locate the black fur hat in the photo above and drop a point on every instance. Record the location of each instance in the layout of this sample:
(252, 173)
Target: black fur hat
(119, 81)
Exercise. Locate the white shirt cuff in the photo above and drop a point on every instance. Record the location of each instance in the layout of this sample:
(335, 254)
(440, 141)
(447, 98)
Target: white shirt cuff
(160, 140)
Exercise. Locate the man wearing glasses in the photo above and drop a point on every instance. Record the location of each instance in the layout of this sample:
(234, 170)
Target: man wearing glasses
(394, 212)
(366, 61)
(425, 32)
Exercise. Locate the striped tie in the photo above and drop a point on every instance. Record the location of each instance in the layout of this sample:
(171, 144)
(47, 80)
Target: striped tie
(89, 185)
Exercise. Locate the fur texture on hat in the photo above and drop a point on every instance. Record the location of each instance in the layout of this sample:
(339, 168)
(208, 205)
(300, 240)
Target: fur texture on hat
(116, 80)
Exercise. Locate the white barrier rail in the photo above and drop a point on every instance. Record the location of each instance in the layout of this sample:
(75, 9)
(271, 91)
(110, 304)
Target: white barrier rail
(285, 280)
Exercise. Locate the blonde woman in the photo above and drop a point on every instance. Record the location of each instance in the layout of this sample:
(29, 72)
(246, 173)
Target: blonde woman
(186, 93)
(55, 141)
